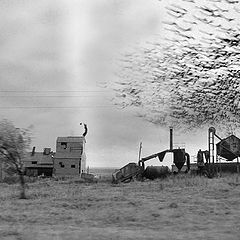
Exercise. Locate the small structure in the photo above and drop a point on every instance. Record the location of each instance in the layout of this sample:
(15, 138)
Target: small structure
(229, 148)
(39, 163)
(70, 157)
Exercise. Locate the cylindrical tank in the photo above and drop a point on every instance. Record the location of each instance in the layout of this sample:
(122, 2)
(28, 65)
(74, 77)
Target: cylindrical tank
(152, 172)
(179, 158)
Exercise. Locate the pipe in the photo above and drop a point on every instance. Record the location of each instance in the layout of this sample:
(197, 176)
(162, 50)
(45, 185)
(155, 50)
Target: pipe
(187, 156)
(171, 138)
(33, 151)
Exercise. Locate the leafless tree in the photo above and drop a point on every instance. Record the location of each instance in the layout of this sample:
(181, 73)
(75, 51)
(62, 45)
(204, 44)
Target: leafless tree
(14, 143)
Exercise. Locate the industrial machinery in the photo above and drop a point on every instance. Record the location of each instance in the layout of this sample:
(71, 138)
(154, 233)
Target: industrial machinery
(132, 170)
(208, 161)
(152, 172)
(180, 157)
(228, 149)
(127, 173)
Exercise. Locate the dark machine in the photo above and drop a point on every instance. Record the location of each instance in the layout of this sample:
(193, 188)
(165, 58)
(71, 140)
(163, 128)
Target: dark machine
(127, 173)
(209, 161)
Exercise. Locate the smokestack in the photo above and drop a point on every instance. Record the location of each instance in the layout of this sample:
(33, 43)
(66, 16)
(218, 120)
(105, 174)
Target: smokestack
(33, 151)
(171, 138)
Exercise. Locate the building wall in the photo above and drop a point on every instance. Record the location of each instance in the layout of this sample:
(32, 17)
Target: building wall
(63, 146)
(83, 163)
(70, 151)
(66, 166)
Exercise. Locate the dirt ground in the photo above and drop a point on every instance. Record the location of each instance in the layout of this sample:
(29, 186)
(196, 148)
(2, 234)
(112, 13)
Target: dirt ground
(179, 207)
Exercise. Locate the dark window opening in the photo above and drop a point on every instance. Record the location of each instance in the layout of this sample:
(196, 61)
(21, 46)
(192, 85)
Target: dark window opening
(61, 164)
(34, 162)
(64, 145)
(73, 166)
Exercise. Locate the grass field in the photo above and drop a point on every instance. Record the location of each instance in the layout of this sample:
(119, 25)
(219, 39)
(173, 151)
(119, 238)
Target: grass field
(180, 207)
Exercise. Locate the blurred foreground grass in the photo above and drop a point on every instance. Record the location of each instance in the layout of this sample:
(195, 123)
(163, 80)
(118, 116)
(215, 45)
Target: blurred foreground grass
(178, 207)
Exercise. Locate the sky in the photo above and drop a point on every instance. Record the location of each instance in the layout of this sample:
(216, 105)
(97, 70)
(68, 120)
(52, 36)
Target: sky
(55, 57)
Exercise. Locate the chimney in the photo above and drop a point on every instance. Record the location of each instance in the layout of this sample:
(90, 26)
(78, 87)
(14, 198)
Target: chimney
(33, 151)
(171, 138)
(46, 151)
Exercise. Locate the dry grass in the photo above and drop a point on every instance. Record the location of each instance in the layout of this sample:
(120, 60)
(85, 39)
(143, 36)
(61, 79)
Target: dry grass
(180, 207)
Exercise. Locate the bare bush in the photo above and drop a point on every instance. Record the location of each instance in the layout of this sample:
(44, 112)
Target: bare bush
(13, 145)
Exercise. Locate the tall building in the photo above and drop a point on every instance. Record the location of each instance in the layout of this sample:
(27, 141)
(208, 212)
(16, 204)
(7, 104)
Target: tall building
(70, 157)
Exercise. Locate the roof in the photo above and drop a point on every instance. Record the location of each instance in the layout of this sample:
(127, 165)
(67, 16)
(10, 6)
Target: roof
(228, 138)
(67, 155)
(39, 157)
(71, 139)
(229, 148)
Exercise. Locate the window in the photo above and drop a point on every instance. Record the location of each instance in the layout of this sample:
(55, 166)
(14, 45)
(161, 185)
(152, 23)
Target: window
(73, 166)
(64, 145)
(34, 162)
(61, 164)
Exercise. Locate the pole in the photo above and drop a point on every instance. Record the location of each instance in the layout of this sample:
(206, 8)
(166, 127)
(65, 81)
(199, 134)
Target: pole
(211, 134)
(139, 153)
(220, 166)
(171, 138)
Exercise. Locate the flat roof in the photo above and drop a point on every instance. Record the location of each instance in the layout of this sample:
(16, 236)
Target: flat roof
(71, 139)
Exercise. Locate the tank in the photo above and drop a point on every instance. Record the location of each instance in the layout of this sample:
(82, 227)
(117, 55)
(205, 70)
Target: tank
(179, 158)
(153, 172)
